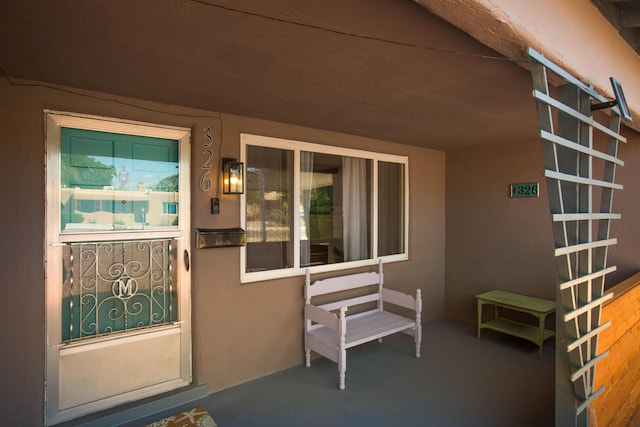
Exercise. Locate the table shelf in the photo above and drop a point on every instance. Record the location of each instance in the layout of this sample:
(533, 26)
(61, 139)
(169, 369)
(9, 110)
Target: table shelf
(537, 307)
(517, 329)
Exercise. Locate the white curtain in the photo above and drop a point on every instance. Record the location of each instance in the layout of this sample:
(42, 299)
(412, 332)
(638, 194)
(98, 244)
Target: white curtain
(354, 205)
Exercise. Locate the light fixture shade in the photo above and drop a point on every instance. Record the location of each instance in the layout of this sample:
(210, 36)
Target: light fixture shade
(232, 176)
(620, 99)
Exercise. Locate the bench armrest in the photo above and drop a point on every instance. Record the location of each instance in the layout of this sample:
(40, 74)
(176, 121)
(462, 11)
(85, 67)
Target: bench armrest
(319, 315)
(402, 299)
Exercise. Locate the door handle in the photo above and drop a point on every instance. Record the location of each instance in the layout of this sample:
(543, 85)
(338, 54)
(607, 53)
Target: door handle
(186, 259)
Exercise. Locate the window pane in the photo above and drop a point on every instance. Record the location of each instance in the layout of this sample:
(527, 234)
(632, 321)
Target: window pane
(117, 182)
(390, 208)
(335, 201)
(269, 217)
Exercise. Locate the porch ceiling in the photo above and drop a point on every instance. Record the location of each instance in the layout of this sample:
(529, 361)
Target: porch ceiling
(625, 16)
(385, 69)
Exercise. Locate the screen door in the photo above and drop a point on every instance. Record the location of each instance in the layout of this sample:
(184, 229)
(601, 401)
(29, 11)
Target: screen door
(117, 252)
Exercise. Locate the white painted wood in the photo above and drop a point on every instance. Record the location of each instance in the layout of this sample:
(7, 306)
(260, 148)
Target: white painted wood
(360, 330)
(398, 298)
(330, 335)
(581, 229)
(350, 302)
(324, 317)
(115, 125)
(580, 148)
(583, 279)
(570, 111)
(588, 365)
(342, 349)
(327, 350)
(588, 336)
(124, 235)
(166, 349)
(417, 331)
(587, 307)
(585, 246)
(141, 361)
(551, 66)
(343, 283)
(584, 217)
(581, 180)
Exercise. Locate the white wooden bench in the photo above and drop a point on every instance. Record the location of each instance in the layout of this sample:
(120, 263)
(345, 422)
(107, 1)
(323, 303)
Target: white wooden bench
(330, 332)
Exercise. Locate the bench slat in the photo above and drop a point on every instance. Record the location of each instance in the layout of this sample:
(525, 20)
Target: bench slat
(318, 315)
(330, 351)
(398, 298)
(378, 325)
(350, 302)
(342, 283)
(364, 329)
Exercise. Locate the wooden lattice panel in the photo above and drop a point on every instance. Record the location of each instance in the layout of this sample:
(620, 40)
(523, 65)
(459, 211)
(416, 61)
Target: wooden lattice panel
(580, 155)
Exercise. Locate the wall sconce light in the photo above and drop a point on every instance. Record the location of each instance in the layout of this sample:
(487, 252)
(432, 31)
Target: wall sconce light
(232, 176)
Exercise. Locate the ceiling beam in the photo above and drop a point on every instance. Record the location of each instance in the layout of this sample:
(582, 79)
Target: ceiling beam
(630, 18)
(510, 27)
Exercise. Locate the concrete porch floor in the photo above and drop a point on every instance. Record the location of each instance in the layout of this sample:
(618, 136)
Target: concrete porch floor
(459, 381)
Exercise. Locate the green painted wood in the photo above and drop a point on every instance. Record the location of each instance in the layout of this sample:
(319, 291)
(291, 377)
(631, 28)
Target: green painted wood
(517, 329)
(518, 301)
(537, 307)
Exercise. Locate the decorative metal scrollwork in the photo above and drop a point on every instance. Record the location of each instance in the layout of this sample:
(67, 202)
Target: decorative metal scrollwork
(117, 286)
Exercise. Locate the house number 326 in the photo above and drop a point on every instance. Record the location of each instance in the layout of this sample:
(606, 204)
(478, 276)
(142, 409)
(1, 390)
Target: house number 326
(205, 181)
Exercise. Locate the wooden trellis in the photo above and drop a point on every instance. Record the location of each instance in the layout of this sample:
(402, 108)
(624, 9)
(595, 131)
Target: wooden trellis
(575, 147)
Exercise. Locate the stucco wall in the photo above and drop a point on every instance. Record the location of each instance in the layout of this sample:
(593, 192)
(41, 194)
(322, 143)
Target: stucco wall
(494, 241)
(21, 263)
(239, 331)
(626, 254)
(253, 329)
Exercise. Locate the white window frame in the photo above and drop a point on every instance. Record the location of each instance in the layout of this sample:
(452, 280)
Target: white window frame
(297, 147)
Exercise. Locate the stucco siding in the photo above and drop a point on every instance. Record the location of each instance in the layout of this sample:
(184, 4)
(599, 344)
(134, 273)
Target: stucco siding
(240, 331)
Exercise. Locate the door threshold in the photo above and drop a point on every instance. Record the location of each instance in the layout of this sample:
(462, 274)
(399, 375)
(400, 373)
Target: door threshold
(140, 409)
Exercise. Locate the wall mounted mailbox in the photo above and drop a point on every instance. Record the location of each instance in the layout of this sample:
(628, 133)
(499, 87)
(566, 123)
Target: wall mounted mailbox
(219, 238)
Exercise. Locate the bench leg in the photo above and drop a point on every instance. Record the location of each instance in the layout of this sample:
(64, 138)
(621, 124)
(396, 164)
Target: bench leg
(418, 338)
(342, 368)
(307, 356)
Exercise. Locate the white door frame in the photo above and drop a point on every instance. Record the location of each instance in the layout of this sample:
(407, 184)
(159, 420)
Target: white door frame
(176, 335)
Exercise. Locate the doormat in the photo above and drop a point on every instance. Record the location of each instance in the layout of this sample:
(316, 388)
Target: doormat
(197, 417)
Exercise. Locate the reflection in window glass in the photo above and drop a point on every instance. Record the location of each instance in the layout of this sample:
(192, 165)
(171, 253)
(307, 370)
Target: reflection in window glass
(117, 182)
(269, 213)
(335, 206)
(347, 208)
(391, 214)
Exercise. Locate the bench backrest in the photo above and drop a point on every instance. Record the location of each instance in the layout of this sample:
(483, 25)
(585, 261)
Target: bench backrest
(345, 283)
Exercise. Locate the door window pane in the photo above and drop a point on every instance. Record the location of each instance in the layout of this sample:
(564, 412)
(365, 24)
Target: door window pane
(269, 211)
(117, 182)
